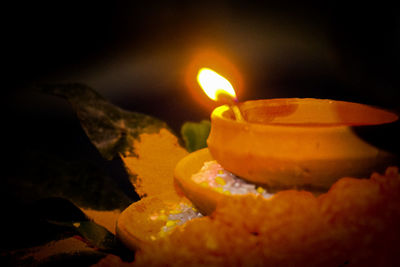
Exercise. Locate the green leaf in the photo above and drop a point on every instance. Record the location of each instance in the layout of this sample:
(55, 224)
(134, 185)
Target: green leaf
(195, 134)
(58, 209)
(76, 259)
(111, 129)
(64, 219)
(28, 224)
(97, 235)
(94, 234)
(51, 219)
(23, 258)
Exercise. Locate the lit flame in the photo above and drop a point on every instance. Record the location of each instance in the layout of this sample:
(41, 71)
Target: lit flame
(214, 85)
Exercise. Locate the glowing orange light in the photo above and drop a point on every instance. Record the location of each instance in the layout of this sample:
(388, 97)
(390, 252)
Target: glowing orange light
(214, 85)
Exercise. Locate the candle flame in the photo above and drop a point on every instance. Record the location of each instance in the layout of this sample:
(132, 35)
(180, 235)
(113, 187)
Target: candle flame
(214, 85)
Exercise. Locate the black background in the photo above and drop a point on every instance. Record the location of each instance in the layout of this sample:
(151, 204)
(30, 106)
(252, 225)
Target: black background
(134, 53)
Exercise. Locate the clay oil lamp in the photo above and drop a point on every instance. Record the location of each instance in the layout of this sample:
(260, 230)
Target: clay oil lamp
(290, 143)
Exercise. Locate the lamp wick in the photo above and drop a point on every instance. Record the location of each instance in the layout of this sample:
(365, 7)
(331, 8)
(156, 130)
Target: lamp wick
(232, 102)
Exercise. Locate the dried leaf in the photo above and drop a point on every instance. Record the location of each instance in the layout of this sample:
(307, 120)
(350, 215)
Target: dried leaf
(111, 129)
(84, 182)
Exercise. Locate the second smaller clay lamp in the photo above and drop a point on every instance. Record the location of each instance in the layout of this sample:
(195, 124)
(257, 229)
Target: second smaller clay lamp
(293, 142)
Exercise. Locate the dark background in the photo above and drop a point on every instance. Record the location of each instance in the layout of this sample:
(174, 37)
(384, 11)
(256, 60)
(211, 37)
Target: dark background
(135, 54)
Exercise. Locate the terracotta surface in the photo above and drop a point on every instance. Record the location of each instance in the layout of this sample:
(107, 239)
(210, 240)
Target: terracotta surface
(301, 143)
(205, 199)
(137, 227)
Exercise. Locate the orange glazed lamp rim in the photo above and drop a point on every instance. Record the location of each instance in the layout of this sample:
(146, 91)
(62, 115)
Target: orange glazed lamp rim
(306, 112)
